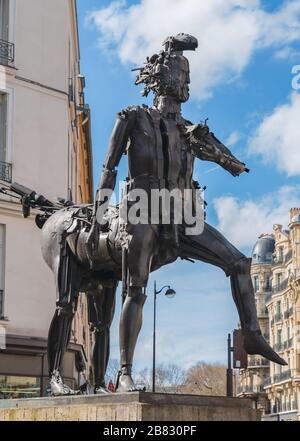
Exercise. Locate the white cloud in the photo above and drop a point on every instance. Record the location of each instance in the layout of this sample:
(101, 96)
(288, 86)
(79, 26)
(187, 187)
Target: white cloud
(229, 32)
(242, 221)
(277, 139)
(233, 138)
(287, 53)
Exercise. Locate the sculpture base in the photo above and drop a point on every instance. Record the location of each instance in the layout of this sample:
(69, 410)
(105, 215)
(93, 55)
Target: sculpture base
(136, 406)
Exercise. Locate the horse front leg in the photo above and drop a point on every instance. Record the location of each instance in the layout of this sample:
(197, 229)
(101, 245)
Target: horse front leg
(58, 339)
(67, 276)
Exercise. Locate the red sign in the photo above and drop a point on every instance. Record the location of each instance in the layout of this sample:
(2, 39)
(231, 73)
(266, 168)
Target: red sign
(111, 386)
(240, 357)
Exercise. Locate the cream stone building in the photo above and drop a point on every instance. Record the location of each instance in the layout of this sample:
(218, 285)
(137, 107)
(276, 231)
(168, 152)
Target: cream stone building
(45, 144)
(277, 288)
(251, 380)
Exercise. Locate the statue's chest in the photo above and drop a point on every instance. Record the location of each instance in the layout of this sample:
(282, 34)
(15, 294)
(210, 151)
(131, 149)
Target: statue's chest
(177, 150)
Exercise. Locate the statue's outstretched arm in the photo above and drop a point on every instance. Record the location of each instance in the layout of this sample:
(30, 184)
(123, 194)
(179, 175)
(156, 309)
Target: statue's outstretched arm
(207, 147)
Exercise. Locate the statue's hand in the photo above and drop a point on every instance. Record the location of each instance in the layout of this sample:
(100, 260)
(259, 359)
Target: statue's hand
(93, 241)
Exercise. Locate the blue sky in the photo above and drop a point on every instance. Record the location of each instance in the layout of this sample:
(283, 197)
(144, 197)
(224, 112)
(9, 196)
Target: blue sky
(241, 80)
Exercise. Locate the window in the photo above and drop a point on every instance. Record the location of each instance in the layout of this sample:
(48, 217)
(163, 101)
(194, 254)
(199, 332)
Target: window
(278, 308)
(2, 269)
(19, 387)
(268, 283)
(4, 18)
(279, 335)
(278, 279)
(5, 47)
(280, 254)
(256, 283)
(3, 126)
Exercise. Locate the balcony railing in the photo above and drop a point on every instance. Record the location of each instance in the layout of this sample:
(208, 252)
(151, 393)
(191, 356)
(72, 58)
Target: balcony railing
(282, 376)
(262, 311)
(5, 171)
(249, 389)
(280, 287)
(268, 381)
(7, 52)
(258, 362)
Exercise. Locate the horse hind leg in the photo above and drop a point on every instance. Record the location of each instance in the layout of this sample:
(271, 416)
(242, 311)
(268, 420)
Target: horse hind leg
(101, 308)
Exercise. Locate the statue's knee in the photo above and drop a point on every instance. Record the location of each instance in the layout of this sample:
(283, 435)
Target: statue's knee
(242, 266)
(136, 294)
(65, 311)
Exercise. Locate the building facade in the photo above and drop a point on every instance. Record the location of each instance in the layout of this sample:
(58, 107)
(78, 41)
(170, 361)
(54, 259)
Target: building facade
(45, 144)
(251, 380)
(277, 289)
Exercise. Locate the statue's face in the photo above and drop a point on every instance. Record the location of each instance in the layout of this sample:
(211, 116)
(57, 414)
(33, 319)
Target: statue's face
(166, 75)
(176, 78)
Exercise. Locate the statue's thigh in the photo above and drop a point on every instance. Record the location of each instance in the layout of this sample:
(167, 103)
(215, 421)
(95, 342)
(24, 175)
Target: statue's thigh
(101, 304)
(211, 247)
(141, 249)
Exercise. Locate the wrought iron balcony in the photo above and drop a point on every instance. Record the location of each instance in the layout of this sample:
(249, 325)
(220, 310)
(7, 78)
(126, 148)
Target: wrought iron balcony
(7, 52)
(286, 375)
(249, 390)
(257, 362)
(5, 171)
(262, 311)
(280, 287)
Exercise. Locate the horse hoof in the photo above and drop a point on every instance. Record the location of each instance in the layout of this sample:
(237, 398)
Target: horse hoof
(101, 390)
(58, 388)
(126, 384)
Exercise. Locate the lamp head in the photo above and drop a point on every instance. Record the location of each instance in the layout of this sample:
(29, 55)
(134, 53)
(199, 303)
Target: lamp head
(170, 293)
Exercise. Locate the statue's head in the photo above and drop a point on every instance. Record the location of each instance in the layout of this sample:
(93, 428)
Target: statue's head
(168, 73)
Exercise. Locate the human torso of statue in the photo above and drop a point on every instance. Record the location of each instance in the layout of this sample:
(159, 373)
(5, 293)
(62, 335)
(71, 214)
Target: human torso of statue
(158, 151)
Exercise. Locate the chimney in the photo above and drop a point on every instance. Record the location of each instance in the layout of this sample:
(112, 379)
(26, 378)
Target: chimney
(294, 212)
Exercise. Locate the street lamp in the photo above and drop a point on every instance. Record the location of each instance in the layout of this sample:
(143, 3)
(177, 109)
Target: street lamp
(170, 293)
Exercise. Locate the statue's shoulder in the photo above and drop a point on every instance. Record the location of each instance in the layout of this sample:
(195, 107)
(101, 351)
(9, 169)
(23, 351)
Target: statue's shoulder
(131, 112)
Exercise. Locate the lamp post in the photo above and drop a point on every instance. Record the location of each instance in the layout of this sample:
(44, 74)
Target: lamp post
(170, 293)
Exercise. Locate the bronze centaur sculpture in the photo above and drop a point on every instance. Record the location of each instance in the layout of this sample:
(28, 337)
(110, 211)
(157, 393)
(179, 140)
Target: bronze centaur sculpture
(90, 251)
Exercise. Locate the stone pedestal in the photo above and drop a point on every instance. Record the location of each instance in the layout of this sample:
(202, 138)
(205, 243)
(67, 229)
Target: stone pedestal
(136, 406)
